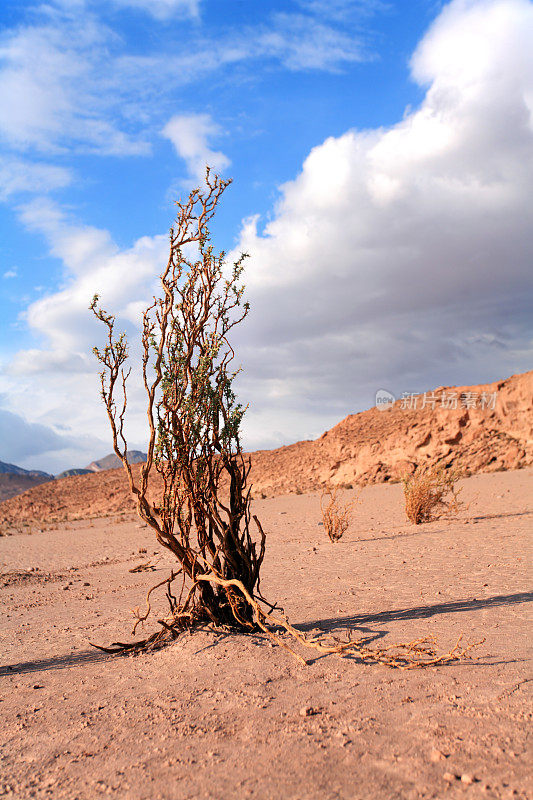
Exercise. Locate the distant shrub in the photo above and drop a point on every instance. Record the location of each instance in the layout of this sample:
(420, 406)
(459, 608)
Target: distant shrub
(335, 516)
(430, 494)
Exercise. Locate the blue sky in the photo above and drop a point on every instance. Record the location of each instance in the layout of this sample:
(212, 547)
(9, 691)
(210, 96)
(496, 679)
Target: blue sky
(270, 111)
(382, 162)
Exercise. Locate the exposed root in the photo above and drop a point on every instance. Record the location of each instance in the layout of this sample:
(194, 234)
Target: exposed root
(189, 615)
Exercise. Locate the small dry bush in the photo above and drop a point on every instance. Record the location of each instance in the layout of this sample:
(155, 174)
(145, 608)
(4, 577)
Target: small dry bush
(335, 516)
(430, 494)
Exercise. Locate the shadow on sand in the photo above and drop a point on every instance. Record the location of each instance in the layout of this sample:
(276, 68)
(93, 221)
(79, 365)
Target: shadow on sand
(419, 612)
(55, 662)
(426, 529)
(502, 516)
(327, 625)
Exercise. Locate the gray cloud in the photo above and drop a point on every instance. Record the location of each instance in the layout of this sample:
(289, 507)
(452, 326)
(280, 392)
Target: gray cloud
(401, 258)
(33, 445)
(30, 444)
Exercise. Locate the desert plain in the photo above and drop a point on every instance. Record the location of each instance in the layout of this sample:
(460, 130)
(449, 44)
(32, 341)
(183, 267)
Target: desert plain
(216, 716)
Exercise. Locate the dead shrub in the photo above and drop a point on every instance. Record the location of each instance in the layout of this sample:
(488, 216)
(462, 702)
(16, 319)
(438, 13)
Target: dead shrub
(430, 494)
(336, 516)
(203, 512)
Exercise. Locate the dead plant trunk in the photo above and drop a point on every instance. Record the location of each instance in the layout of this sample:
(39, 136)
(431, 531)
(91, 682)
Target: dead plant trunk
(203, 516)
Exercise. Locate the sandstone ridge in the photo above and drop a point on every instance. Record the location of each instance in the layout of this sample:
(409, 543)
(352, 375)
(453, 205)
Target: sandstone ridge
(490, 429)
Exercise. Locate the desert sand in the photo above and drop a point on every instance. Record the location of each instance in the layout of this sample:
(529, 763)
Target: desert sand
(217, 716)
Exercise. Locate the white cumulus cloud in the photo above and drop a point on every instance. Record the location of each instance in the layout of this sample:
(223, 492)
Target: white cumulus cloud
(401, 257)
(191, 135)
(59, 377)
(55, 80)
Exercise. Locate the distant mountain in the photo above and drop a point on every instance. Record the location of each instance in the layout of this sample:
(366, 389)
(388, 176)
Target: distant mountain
(68, 473)
(112, 461)
(15, 480)
(108, 462)
(12, 469)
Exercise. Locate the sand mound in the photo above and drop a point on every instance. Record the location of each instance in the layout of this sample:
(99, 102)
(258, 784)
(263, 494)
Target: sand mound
(482, 428)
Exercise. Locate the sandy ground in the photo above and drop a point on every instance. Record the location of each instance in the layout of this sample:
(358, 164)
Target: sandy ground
(223, 716)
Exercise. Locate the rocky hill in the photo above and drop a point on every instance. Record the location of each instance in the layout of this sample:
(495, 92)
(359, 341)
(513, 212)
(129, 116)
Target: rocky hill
(110, 461)
(482, 428)
(12, 484)
(12, 469)
(15, 480)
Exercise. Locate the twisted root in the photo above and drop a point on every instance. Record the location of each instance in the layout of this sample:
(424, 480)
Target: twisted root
(189, 615)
